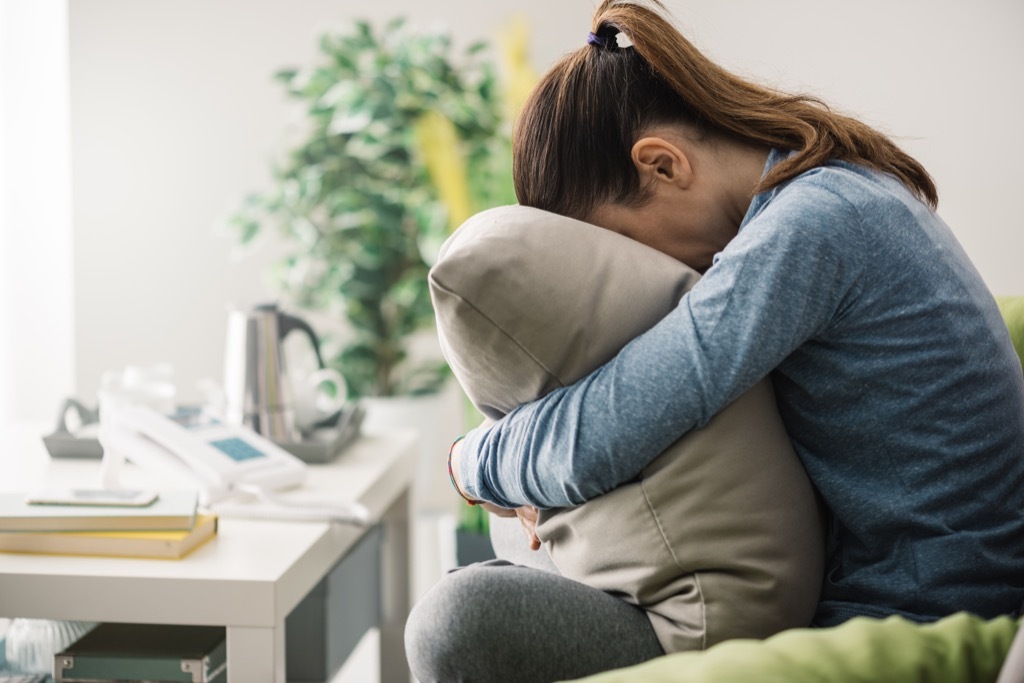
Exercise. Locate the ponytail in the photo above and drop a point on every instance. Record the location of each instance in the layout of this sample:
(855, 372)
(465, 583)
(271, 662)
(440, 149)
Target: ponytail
(574, 137)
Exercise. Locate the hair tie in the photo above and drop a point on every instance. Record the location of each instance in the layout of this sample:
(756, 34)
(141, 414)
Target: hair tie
(618, 41)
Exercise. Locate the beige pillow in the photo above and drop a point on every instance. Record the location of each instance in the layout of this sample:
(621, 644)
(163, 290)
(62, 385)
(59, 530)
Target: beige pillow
(721, 536)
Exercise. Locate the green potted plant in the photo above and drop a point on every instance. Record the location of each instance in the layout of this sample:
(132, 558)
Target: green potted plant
(404, 140)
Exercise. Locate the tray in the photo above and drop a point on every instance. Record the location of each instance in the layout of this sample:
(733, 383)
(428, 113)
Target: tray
(326, 443)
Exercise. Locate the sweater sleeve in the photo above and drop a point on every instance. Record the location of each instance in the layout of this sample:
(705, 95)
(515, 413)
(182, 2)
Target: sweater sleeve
(779, 283)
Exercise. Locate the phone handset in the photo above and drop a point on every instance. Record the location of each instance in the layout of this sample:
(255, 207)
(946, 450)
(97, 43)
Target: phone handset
(120, 445)
(221, 459)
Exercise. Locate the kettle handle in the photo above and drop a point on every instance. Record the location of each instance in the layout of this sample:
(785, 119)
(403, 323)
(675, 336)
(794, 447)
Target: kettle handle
(288, 323)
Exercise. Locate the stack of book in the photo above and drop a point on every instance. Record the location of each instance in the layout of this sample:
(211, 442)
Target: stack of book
(169, 527)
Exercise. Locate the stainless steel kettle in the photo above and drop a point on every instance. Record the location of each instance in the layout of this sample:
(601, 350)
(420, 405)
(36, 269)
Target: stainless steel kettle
(257, 392)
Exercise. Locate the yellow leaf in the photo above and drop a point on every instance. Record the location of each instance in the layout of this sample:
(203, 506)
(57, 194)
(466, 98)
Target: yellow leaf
(520, 76)
(439, 144)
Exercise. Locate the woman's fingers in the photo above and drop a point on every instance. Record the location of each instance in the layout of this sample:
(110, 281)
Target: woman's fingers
(527, 515)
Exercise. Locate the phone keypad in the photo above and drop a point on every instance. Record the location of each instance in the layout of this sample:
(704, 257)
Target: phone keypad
(237, 449)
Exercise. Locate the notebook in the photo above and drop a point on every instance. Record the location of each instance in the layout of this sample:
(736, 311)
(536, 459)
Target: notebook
(171, 510)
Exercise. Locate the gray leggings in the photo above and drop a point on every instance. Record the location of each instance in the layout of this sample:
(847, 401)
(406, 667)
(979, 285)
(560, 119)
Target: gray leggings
(501, 622)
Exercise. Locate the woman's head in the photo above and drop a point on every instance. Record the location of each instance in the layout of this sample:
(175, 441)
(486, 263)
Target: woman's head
(574, 144)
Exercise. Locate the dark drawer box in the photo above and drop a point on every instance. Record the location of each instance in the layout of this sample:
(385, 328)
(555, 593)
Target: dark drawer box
(326, 626)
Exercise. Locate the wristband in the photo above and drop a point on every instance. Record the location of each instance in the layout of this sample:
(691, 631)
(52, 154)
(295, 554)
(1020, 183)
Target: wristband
(451, 475)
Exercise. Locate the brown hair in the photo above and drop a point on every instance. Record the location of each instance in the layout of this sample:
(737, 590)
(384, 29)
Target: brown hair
(573, 139)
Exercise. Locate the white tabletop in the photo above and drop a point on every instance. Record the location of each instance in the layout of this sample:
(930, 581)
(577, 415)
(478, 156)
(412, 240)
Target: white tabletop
(249, 575)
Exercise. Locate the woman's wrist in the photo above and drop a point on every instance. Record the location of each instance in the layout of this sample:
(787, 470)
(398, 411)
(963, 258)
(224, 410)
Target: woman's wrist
(453, 470)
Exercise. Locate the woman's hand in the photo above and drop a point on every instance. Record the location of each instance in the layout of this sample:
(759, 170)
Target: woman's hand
(527, 515)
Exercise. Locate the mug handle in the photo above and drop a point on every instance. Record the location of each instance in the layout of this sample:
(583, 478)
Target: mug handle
(313, 382)
(318, 377)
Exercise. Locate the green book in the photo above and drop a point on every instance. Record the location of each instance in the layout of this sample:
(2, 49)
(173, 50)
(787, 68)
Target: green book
(170, 510)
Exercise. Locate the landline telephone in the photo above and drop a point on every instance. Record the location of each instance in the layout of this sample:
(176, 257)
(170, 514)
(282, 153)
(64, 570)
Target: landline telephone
(220, 459)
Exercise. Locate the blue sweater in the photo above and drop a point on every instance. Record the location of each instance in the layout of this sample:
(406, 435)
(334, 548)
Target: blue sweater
(895, 378)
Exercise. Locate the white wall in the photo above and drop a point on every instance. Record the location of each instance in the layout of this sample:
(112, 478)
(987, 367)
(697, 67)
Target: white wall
(35, 211)
(941, 76)
(175, 117)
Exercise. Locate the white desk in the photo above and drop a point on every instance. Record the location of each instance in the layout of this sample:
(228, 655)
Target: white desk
(247, 579)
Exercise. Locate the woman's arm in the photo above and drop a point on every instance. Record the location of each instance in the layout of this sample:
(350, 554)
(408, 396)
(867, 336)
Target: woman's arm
(778, 283)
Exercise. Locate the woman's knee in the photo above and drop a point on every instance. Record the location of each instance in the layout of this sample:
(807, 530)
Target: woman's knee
(447, 633)
(499, 622)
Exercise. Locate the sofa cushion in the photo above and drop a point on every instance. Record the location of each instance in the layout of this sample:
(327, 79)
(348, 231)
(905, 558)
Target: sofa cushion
(721, 536)
(961, 647)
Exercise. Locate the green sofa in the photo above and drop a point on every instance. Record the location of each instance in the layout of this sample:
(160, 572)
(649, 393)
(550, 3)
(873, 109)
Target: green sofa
(959, 648)
(1012, 308)
(956, 649)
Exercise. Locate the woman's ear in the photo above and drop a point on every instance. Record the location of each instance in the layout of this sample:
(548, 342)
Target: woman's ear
(658, 160)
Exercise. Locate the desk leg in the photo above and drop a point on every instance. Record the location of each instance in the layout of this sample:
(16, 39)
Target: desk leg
(255, 655)
(395, 592)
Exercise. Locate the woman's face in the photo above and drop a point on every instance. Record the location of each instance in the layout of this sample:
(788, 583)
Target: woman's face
(698, 193)
(681, 229)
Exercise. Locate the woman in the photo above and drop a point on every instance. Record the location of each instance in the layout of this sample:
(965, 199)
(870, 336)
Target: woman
(825, 265)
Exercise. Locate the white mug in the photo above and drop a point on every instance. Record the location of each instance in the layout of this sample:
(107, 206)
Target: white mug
(317, 396)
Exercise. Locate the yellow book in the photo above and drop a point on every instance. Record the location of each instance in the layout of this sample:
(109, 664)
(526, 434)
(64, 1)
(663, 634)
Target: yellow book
(147, 544)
